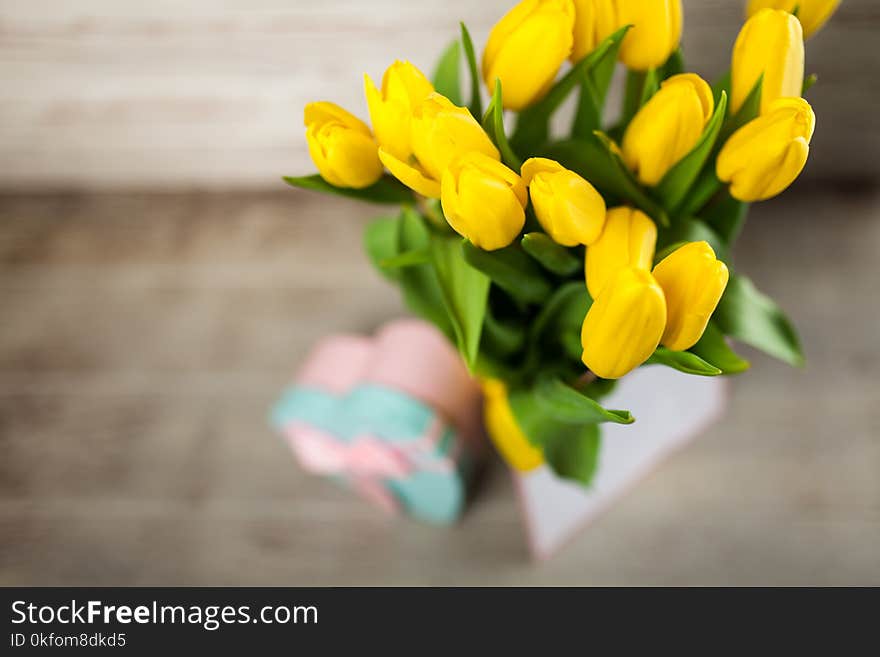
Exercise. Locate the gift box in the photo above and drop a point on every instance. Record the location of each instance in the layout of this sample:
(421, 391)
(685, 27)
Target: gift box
(395, 417)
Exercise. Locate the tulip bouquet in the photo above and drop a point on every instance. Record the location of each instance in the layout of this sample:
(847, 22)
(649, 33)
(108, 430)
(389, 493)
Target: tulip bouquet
(559, 263)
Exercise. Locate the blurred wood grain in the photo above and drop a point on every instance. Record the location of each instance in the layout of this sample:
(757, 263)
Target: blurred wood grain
(143, 339)
(118, 94)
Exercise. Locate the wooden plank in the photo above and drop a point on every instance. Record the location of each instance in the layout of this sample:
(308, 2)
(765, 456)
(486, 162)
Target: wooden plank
(143, 339)
(120, 95)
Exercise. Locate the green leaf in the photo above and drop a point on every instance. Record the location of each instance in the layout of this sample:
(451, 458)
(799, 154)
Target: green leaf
(570, 449)
(565, 404)
(674, 186)
(386, 190)
(601, 71)
(600, 388)
(640, 86)
(447, 80)
(573, 452)
(750, 109)
(809, 81)
(558, 324)
(552, 256)
(502, 337)
(476, 105)
(597, 160)
(683, 361)
(726, 216)
(594, 90)
(493, 124)
(380, 243)
(588, 116)
(674, 65)
(567, 306)
(713, 349)
(690, 230)
(721, 84)
(706, 186)
(512, 270)
(465, 293)
(533, 123)
(571, 345)
(412, 258)
(752, 317)
(419, 284)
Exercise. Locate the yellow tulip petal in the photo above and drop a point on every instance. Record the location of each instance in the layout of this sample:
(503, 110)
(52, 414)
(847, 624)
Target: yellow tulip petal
(410, 176)
(323, 112)
(568, 207)
(536, 165)
(812, 14)
(767, 154)
(526, 49)
(442, 132)
(655, 34)
(403, 88)
(341, 146)
(693, 281)
(503, 430)
(771, 44)
(624, 325)
(483, 201)
(667, 127)
(628, 239)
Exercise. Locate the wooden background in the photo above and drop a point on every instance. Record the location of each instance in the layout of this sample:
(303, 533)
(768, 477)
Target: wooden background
(144, 338)
(117, 94)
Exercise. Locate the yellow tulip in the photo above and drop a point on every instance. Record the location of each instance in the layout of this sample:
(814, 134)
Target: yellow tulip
(341, 146)
(594, 20)
(440, 132)
(628, 240)
(693, 281)
(483, 200)
(624, 325)
(503, 430)
(812, 14)
(764, 157)
(770, 43)
(526, 48)
(569, 208)
(653, 37)
(403, 88)
(667, 127)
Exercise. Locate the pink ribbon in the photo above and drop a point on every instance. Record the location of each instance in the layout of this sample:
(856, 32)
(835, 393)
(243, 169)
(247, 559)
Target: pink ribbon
(368, 461)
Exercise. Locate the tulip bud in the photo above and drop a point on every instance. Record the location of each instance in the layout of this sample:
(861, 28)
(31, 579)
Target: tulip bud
(761, 159)
(569, 208)
(504, 431)
(624, 325)
(628, 240)
(811, 13)
(693, 281)
(441, 132)
(526, 48)
(653, 37)
(341, 146)
(667, 127)
(770, 43)
(483, 200)
(403, 88)
(594, 20)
